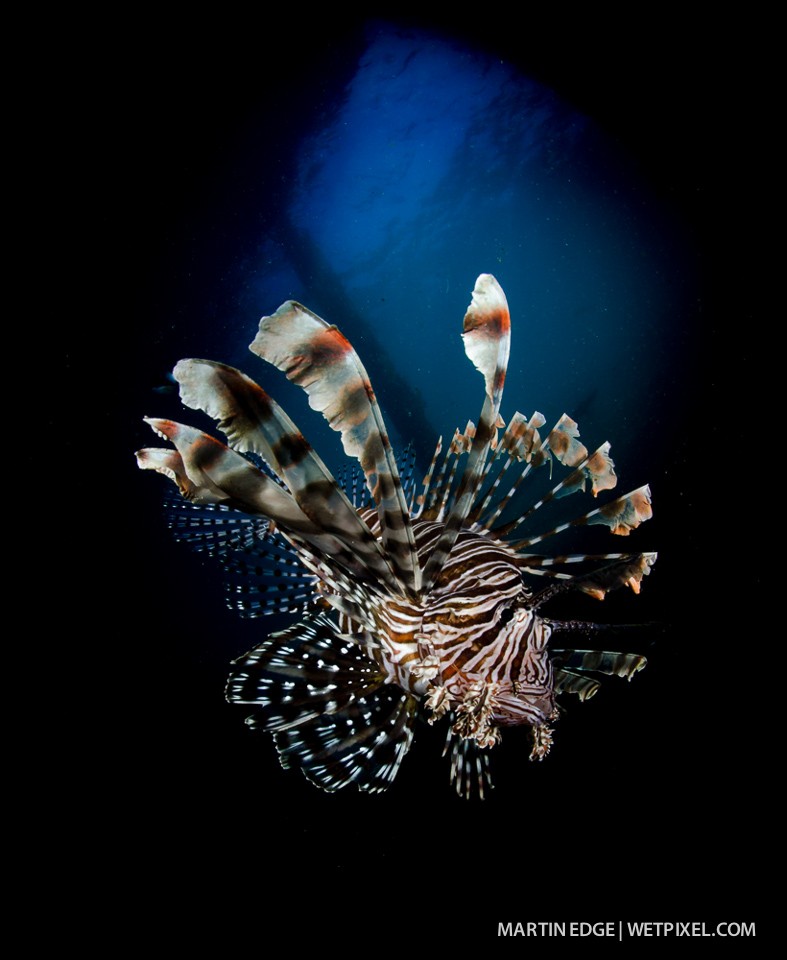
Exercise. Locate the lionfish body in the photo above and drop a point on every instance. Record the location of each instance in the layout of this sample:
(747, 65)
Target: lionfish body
(410, 606)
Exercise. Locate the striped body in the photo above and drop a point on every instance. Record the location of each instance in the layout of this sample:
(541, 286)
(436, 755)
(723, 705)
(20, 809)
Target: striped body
(475, 627)
(411, 606)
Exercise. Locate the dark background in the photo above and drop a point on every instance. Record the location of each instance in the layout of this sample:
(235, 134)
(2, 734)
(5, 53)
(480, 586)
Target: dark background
(651, 801)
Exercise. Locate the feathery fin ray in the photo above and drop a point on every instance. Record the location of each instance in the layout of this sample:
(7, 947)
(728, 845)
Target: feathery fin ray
(318, 358)
(487, 339)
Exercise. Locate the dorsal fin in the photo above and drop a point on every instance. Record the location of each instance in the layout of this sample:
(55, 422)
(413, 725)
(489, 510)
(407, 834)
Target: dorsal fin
(254, 423)
(320, 359)
(487, 339)
(621, 516)
(220, 475)
(598, 468)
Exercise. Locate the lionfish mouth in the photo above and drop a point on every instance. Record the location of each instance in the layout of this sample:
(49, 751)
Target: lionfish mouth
(409, 604)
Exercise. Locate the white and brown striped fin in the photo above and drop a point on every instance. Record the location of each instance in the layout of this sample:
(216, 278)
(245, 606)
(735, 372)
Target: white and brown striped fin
(169, 463)
(621, 516)
(423, 498)
(625, 569)
(563, 442)
(598, 469)
(521, 438)
(407, 475)
(225, 476)
(583, 686)
(623, 573)
(522, 444)
(573, 666)
(318, 358)
(469, 772)
(610, 663)
(363, 745)
(327, 706)
(254, 423)
(220, 475)
(487, 340)
(443, 492)
(624, 514)
(438, 486)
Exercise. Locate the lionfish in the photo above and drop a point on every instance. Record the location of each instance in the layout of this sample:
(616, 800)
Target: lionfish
(410, 606)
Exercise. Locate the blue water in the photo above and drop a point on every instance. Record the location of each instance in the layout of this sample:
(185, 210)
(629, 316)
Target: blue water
(436, 162)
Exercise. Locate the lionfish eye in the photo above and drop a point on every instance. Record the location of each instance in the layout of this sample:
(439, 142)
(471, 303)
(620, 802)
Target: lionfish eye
(507, 615)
